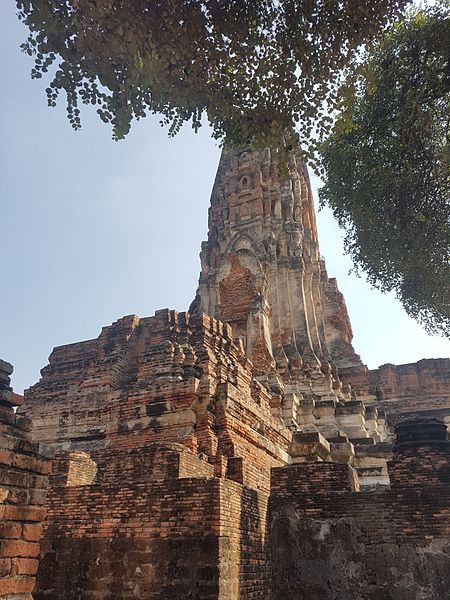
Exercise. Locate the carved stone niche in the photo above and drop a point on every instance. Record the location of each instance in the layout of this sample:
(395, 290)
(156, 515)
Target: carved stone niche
(245, 185)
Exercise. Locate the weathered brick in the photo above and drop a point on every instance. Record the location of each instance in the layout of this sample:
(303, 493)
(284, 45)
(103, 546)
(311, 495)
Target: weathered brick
(10, 530)
(26, 566)
(5, 567)
(16, 585)
(32, 532)
(21, 548)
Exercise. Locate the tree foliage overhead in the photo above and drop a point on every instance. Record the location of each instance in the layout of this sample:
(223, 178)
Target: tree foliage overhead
(255, 68)
(387, 167)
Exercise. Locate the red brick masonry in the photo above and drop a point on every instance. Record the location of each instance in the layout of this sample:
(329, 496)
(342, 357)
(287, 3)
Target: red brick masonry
(24, 466)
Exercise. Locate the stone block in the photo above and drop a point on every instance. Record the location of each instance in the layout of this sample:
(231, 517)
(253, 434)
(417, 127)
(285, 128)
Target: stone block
(342, 452)
(307, 447)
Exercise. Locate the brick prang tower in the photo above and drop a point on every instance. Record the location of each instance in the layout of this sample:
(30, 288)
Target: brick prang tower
(262, 271)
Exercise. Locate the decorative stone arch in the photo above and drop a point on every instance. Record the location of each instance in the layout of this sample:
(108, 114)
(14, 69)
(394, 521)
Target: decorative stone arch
(242, 241)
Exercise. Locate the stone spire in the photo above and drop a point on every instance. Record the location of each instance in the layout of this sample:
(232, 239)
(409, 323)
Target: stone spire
(262, 273)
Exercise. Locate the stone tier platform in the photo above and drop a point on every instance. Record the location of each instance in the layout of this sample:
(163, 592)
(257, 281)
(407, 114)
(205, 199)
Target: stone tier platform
(182, 378)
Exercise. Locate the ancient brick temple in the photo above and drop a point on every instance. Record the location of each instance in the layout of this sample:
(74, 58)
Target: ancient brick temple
(241, 450)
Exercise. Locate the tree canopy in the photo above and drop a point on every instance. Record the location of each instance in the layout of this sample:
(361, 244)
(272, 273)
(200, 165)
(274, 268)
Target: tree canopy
(256, 68)
(271, 72)
(386, 167)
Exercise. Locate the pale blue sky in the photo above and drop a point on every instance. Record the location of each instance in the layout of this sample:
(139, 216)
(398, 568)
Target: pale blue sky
(94, 229)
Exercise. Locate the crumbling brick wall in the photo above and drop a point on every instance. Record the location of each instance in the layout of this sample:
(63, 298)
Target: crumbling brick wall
(330, 541)
(154, 523)
(24, 467)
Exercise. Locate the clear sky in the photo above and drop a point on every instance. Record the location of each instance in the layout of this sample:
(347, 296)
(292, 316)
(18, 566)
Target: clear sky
(92, 229)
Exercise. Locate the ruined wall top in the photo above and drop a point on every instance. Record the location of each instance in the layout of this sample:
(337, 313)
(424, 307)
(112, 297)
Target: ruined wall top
(8, 398)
